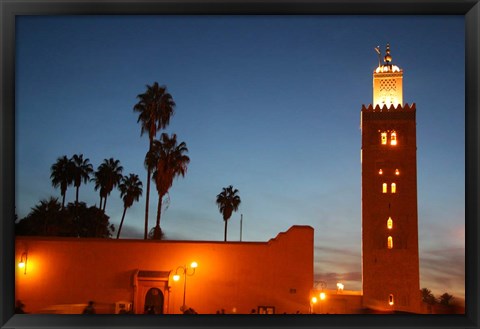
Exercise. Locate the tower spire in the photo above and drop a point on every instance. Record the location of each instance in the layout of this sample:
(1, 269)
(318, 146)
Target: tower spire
(388, 57)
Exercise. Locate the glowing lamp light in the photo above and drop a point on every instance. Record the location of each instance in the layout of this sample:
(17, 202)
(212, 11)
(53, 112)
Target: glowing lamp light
(323, 296)
(23, 262)
(340, 286)
(194, 265)
(314, 299)
(176, 277)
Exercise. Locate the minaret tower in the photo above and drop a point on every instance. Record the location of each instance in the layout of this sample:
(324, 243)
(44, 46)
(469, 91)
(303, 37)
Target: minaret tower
(390, 265)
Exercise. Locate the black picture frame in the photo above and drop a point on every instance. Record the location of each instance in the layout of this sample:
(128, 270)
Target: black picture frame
(9, 9)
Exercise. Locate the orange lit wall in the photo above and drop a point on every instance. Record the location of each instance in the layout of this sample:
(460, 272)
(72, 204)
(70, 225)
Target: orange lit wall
(234, 276)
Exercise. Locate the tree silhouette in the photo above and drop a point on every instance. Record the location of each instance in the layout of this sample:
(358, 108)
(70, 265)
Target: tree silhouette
(62, 175)
(82, 168)
(445, 299)
(428, 297)
(155, 107)
(48, 218)
(167, 160)
(130, 190)
(228, 201)
(107, 176)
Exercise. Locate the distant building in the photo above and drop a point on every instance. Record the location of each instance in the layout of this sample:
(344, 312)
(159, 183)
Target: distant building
(61, 275)
(390, 261)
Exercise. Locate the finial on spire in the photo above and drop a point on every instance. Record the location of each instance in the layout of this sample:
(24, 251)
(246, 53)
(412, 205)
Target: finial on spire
(388, 57)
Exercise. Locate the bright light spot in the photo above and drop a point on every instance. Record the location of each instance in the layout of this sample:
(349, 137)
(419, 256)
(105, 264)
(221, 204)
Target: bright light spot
(384, 189)
(194, 265)
(389, 223)
(322, 295)
(397, 172)
(21, 264)
(384, 138)
(394, 188)
(393, 139)
(380, 172)
(390, 242)
(176, 277)
(314, 300)
(390, 300)
(340, 286)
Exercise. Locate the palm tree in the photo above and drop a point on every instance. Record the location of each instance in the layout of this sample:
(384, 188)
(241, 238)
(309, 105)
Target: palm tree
(167, 160)
(228, 201)
(99, 180)
(107, 176)
(445, 299)
(82, 168)
(62, 175)
(428, 297)
(130, 190)
(155, 107)
(46, 216)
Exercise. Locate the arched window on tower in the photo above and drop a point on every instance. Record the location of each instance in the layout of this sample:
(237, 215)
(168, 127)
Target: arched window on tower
(389, 223)
(393, 138)
(390, 242)
(384, 188)
(384, 138)
(390, 299)
(394, 188)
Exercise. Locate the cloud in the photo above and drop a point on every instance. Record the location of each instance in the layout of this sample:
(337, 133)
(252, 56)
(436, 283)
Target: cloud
(443, 270)
(351, 280)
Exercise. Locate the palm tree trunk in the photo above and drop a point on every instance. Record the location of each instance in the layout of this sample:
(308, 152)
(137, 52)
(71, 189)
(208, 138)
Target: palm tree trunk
(159, 210)
(121, 222)
(148, 194)
(147, 204)
(104, 203)
(76, 194)
(63, 199)
(225, 231)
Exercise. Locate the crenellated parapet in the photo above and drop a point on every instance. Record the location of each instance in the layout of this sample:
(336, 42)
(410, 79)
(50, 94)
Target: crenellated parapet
(391, 108)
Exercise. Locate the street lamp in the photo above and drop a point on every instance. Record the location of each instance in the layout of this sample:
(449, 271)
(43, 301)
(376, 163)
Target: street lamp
(185, 271)
(313, 301)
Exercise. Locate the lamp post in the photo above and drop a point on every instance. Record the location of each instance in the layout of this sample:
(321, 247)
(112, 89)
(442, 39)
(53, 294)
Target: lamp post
(322, 294)
(185, 271)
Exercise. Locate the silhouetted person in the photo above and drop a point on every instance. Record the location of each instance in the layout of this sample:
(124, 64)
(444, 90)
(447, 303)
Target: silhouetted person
(89, 309)
(19, 307)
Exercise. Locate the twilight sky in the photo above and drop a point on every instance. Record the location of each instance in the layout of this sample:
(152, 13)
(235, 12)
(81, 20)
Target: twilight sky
(268, 104)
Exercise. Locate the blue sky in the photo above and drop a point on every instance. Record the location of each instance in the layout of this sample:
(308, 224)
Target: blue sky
(268, 104)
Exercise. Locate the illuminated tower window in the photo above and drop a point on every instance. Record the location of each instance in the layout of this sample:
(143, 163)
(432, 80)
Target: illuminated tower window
(390, 300)
(390, 242)
(397, 172)
(384, 189)
(380, 172)
(389, 223)
(384, 138)
(393, 138)
(394, 188)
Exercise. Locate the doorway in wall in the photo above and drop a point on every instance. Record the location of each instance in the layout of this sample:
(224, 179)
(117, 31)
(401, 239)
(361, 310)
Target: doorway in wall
(151, 289)
(154, 301)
